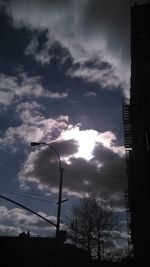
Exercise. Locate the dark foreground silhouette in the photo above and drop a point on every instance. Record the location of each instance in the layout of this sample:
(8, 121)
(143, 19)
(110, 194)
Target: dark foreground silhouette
(38, 251)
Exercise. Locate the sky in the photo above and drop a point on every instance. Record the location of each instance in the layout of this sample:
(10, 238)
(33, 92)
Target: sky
(64, 71)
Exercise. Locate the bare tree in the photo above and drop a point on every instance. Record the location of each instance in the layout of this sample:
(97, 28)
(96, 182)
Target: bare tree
(92, 223)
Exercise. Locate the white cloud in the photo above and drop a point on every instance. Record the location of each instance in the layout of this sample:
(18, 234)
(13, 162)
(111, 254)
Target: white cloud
(57, 95)
(106, 78)
(87, 140)
(21, 218)
(87, 29)
(34, 127)
(12, 87)
(7, 230)
(42, 56)
(90, 94)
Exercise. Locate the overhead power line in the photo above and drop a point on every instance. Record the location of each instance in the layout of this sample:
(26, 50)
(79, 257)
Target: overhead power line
(26, 193)
(97, 173)
(27, 196)
(24, 207)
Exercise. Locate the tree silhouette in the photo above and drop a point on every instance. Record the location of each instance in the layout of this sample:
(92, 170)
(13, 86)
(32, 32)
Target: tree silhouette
(92, 223)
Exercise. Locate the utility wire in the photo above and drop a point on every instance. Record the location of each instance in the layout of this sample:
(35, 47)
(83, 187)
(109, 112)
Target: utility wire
(97, 173)
(27, 193)
(26, 196)
(24, 207)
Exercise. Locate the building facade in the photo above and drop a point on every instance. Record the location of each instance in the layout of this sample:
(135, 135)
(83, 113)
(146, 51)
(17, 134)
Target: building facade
(136, 116)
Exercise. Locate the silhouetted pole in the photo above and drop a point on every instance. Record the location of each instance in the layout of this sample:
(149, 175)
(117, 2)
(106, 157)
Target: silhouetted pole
(76, 232)
(60, 185)
(59, 201)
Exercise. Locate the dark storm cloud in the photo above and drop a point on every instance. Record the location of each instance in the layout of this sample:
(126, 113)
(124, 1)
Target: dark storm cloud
(114, 180)
(80, 176)
(43, 166)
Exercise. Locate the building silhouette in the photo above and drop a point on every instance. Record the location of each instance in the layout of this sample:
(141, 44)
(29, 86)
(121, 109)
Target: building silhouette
(25, 250)
(136, 118)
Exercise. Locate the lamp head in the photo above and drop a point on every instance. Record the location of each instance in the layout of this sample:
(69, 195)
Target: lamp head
(35, 144)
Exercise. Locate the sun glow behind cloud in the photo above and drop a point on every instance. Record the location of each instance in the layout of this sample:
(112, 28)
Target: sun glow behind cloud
(87, 139)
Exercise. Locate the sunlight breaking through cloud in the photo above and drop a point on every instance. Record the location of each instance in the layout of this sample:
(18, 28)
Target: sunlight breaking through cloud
(87, 140)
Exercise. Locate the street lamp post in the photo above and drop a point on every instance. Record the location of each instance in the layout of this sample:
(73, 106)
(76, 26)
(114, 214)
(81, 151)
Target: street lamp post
(60, 184)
